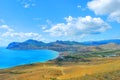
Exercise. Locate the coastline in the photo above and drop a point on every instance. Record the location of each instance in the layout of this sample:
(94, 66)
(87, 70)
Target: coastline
(50, 70)
(44, 57)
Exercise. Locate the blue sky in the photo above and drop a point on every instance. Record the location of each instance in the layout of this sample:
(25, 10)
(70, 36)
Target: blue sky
(51, 20)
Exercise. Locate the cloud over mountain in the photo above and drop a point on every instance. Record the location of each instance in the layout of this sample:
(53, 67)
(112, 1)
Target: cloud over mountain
(78, 26)
(7, 34)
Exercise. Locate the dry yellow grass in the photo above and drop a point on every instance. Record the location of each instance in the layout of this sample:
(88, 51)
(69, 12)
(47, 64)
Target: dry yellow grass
(50, 71)
(82, 70)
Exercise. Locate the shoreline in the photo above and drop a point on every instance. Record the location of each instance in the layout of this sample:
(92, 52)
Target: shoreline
(54, 53)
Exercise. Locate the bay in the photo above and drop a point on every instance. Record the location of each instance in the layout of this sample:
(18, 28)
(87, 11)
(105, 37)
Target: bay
(12, 58)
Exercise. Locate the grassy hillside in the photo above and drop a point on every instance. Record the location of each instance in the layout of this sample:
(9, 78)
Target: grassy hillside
(77, 72)
(112, 75)
(96, 69)
(76, 62)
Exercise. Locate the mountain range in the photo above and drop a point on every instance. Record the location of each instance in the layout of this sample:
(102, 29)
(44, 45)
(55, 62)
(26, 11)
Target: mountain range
(65, 45)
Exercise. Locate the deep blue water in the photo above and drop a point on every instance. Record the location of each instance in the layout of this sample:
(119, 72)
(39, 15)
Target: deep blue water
(12, 58)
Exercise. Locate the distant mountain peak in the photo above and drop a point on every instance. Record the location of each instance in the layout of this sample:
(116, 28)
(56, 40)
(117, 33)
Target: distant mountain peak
(58, 45)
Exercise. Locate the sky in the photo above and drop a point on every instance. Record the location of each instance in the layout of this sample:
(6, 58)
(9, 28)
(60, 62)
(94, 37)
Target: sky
(51, 20)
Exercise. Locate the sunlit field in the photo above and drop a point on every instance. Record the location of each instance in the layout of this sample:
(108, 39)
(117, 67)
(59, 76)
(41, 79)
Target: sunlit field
(97, 69)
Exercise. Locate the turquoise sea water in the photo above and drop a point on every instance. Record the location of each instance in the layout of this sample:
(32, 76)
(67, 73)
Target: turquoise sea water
(12, 58)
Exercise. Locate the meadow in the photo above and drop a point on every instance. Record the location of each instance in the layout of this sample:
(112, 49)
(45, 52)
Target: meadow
(95, 69)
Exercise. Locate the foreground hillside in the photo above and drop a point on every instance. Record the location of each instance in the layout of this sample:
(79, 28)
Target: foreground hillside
(98, 60)
(95, 69)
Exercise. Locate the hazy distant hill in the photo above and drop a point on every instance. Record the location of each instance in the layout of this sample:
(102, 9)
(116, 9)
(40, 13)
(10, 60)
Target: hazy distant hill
(96, 43)
(66, 45)
(110, 46)
(33, 44)
(63, 46)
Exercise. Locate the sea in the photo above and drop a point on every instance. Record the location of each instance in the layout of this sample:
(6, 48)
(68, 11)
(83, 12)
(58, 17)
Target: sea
(12, 58)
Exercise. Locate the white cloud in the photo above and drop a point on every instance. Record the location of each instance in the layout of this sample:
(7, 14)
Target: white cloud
(22, 35)
(106, 7)
(43, 27)
(115, 16)
(10, 35)
(78, 6)
(81, 7)
(6, 27)
(49, 22)
(80, 26)
(27, 3)
(19, 36)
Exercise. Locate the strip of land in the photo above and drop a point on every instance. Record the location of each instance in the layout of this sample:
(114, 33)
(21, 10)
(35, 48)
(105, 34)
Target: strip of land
(96, 69)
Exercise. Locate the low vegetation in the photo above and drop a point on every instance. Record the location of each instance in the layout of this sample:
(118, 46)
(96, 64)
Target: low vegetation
(113, 75)
(95, 69)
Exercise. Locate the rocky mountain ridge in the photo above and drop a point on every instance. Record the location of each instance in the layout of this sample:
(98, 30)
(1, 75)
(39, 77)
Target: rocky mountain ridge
(65, 45)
